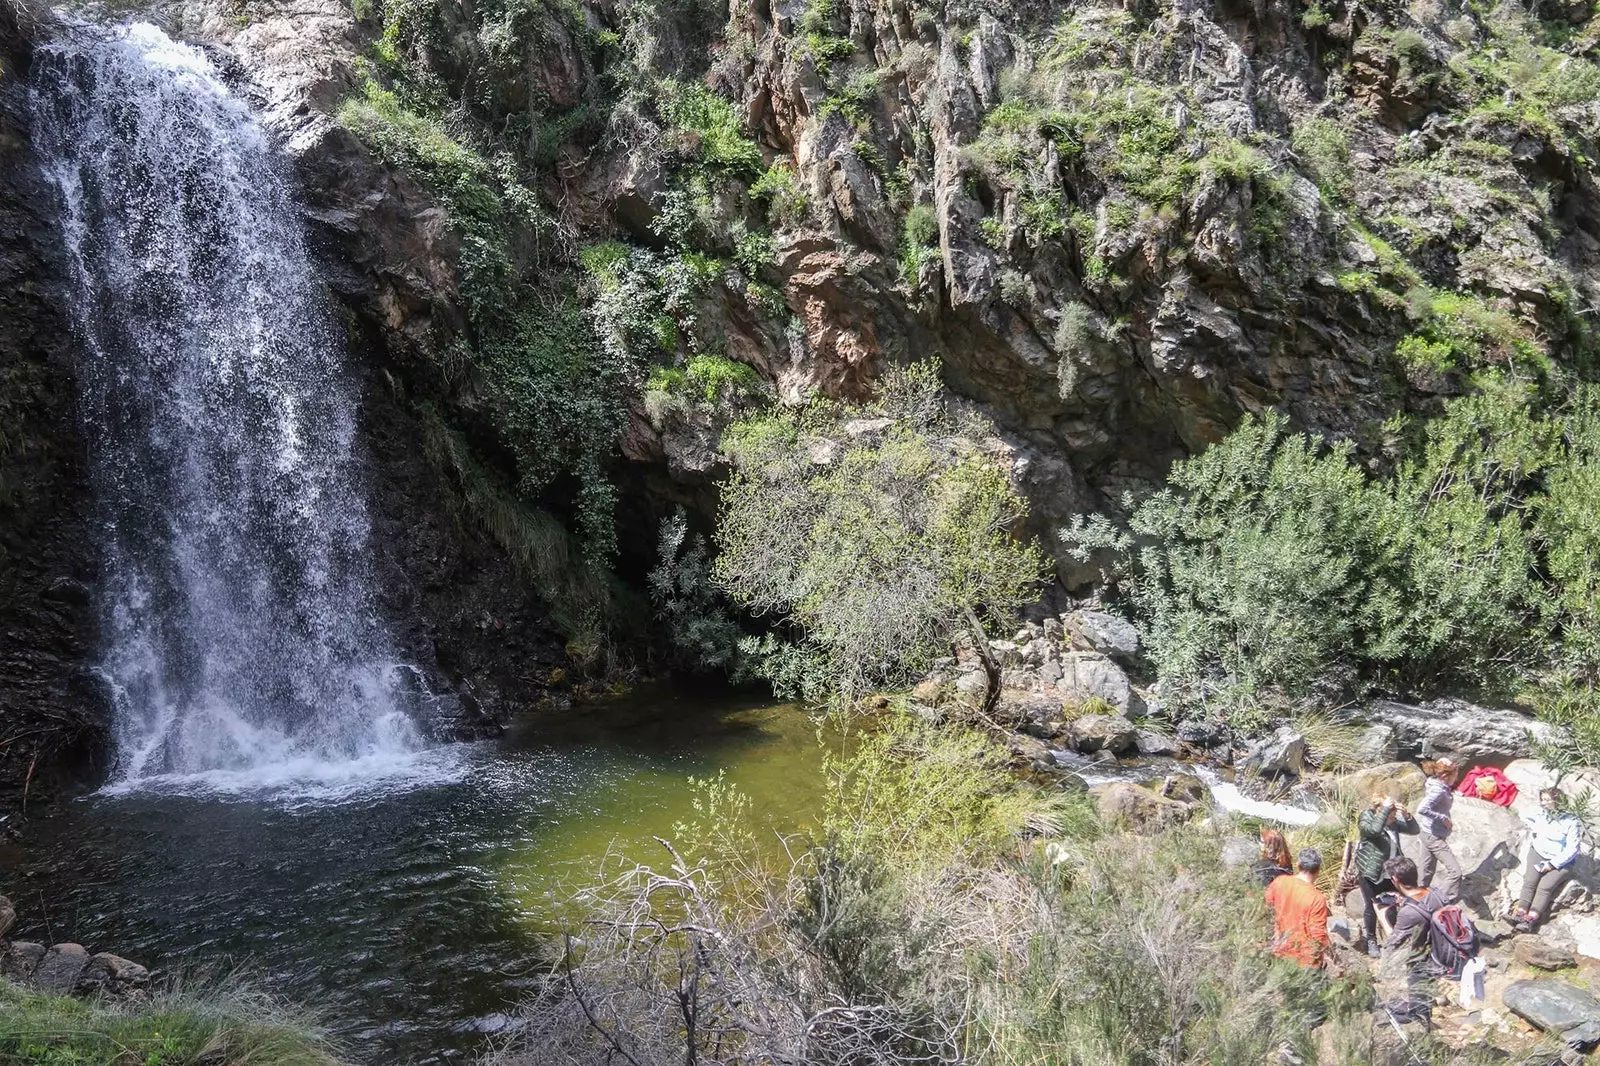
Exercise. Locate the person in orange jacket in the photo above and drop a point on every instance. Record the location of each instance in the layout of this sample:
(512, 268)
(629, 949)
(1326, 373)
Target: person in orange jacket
(1300, 913)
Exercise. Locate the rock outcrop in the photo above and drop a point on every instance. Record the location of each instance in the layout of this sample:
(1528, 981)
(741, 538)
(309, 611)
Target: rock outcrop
(67, 968)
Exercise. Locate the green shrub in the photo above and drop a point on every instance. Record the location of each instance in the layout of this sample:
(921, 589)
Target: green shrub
(918, 242)
(716, 126)
(1271, 567)
(876, 559)
(556, 403)
(693, 616)
(1323, 146)
(781, 188)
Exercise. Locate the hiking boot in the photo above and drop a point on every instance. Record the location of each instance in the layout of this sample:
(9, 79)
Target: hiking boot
(1523, 926)
(1373, 951)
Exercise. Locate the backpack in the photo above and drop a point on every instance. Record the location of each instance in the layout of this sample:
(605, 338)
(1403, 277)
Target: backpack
(1452, 939)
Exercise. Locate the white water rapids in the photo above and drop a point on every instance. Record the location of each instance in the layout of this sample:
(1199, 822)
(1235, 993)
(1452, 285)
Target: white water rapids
(242, 636)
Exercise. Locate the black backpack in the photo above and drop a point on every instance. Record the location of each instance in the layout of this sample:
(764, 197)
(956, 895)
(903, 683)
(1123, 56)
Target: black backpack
(1452, 938)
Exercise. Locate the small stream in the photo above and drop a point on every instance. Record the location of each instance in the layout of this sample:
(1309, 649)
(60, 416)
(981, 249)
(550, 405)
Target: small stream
(411, 911)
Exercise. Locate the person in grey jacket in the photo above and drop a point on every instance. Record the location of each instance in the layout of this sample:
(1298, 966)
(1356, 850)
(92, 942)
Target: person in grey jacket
(1433, 815)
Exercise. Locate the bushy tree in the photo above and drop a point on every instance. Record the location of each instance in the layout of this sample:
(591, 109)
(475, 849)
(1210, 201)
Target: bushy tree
(694, 617)
(1272, 566)
(875, 533)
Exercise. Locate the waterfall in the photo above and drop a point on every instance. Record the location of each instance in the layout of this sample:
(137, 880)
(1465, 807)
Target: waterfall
(239, 622)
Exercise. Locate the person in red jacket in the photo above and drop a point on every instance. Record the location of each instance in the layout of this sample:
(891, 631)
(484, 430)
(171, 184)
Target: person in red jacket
(1300, 913)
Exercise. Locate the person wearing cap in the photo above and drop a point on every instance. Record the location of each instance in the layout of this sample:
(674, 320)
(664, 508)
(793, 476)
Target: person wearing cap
(1300, 913)
(1433, 815)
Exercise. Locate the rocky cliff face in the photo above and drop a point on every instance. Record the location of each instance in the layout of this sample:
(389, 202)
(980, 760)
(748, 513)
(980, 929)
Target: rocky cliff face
(1121, 228)
(49, 706)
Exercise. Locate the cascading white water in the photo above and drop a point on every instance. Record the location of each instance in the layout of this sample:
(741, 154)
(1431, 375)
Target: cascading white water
(241, 630)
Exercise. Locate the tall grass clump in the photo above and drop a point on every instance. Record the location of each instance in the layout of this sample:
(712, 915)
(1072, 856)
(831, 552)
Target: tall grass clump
(225, 1027)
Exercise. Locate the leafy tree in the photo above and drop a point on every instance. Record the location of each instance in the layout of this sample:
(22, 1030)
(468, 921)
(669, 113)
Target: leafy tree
(876, 533)
(1272, 566)
(693, 615)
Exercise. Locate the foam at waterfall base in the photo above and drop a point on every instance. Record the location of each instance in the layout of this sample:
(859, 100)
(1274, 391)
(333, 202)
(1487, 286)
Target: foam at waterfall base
(311, 779)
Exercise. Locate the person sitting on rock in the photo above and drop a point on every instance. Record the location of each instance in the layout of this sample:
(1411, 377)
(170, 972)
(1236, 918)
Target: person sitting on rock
(1377, 828)
(1300, 913)
(1433, 814)
(1274, 861)
(1408, 960)
(1552, 847)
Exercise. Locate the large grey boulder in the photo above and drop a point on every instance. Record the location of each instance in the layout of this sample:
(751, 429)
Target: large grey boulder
(60, 968)
(1283, 753)
(1152, 743)
(1460, 729)
(1089, 675)
(1032, 713)
(1201, 733)
(1103, 732)
(1541, 954)
(1486, 840)
(1402, 780)
(1555, 1007)
(112, 975)
(1377, 743)
(1136, 808)
(1104, 633)
(21, 959)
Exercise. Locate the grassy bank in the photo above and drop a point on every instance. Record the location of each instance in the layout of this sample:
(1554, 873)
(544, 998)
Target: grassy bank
(942, 912)
(219, 1028)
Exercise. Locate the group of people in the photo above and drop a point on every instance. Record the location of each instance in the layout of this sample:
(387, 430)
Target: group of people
(1397, 894)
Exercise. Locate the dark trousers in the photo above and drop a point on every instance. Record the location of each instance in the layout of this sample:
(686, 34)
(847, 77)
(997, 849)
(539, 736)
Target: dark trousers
(1539, 890)
(1369, 908)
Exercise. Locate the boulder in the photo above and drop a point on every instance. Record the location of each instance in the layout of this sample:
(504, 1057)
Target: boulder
(1240, 851)
(1089, 676)
(1462, 730)
(1376, 744)
(1553, 1006)
(8, 916)
(112, 975)
(1034, 714)
(1572, 929)
(1202, 734)
(1154, 744)
(1137, 808)
(1104, 633)
(1492, 931)
(1103, 732)
(1541, 954)
(929, 690)
(1186, 788)
(1281, 754)
(1029, 751)
(20, 960)
(1487, 840)
(60, 968)
(1402, 780)
(1531, 775)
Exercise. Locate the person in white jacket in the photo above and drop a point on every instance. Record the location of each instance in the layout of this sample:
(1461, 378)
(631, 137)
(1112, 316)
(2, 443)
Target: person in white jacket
(1552, 847)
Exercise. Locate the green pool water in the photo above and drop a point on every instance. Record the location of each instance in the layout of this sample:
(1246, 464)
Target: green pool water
(411, 911)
